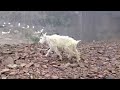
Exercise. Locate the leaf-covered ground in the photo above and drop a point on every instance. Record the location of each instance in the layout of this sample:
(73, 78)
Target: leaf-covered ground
(99, 60)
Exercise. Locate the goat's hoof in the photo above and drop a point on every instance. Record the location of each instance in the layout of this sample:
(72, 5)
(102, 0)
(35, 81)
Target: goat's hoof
(60, 59)
(46, 55)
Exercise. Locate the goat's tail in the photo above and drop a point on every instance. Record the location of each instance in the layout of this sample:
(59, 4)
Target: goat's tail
(78, 41)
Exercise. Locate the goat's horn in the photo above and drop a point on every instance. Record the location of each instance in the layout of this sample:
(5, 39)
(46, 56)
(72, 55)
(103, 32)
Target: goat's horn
(41, 31)
(45, 33)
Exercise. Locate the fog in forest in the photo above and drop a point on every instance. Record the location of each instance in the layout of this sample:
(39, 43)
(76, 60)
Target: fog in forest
(83, 25)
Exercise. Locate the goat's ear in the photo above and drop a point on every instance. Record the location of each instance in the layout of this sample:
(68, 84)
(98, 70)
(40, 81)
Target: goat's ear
(41, 31)
(45, 34)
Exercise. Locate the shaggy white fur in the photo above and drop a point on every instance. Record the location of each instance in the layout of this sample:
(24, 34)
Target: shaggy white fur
(57, 43)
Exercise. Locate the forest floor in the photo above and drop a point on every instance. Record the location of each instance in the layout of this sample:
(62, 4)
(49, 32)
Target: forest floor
(99, 60)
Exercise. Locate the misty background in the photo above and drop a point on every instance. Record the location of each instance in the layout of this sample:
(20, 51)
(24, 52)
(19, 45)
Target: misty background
(83, 25)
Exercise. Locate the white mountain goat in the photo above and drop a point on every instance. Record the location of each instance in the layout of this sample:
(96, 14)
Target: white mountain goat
(64, 43)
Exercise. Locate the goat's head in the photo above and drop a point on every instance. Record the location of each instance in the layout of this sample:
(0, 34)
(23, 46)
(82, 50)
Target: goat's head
(41, 33)
(43, 38)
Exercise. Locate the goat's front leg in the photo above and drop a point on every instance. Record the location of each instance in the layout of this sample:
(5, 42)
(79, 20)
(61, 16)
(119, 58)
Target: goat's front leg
(48, 52)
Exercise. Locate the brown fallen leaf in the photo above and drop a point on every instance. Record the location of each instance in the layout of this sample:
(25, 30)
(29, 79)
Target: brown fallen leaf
(53, 62)
(94, 69)
(101, 52)
(45, 61)
(100, 76)
(110, 77)
(29, 65)
(37, 65)
(7, 52)
(43, 73)
(47, 75)
(31, 77)
(113, 71)
(74, 65)
(44, 66)
(55, 65)
(7, 61)
(76, 76)
(28, 74)
(22, 64)
(38, 71)
(54, 77)
(16, 56)
(81, 65)
(60, 68)
(13, 73)
(25, 70)
(4, 70)
(66, 65)
(12, 66)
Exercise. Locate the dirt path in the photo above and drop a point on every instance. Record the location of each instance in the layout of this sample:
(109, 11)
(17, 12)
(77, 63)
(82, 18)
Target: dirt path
(27, 61)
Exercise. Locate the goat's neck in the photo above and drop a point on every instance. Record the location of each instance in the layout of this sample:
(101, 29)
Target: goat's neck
(47, 40)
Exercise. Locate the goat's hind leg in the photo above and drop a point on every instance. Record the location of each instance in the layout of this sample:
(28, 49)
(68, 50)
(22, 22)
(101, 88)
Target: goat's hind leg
(77, 54)
(58, 53)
